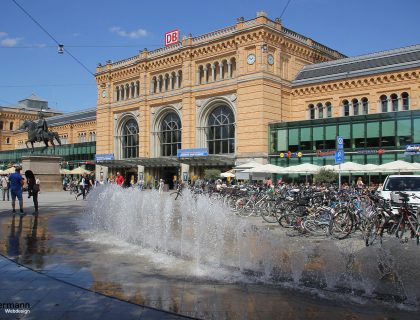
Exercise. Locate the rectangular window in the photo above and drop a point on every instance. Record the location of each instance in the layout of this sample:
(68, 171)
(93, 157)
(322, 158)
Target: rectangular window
(358, 130)
(1, 125)
(344, 131)
(293, 137)
(305, 139)
(416, 133)
(282, 140)
(404, 132)
(388, 134)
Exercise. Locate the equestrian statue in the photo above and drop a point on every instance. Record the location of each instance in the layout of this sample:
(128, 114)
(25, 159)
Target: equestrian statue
(38, 132)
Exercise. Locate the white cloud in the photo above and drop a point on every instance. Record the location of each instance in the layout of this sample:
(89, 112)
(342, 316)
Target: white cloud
(10, 42)
(3, 34)
(40, 45)
(129, 34)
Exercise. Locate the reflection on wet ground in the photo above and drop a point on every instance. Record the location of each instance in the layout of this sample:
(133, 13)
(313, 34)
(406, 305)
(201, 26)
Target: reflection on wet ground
(58, 243)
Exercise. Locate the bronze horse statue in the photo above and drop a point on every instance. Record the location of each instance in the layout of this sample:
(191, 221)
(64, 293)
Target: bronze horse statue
(33, 136)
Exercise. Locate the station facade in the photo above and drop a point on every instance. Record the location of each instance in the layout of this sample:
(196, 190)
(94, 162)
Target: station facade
(251, 91)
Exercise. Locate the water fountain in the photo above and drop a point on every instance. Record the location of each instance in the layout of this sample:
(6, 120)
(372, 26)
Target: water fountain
(213, 242)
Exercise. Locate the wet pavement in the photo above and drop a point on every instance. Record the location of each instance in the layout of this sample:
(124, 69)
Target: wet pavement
(76, 273)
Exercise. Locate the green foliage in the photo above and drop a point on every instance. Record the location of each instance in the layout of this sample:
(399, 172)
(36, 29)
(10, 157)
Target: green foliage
(210, 174)
(326, 176)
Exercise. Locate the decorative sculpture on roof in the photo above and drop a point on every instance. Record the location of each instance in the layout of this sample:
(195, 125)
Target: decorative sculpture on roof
(38, 132)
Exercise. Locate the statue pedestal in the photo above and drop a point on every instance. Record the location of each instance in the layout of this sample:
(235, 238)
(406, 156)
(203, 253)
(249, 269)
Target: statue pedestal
(46, 169)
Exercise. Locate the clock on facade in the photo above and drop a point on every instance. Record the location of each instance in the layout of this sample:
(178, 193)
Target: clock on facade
(251, 58)
(270, 59)
(103, 93)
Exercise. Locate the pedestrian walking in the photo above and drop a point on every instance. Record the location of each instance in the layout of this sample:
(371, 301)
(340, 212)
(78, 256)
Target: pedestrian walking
(5, 186)
(16, 189)
(161, 185)
(82, 185)
(119, 179)
(33, 188)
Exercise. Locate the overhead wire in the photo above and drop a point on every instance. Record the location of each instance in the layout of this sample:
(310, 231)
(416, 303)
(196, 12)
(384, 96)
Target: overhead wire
(285, 7)
(50, 35)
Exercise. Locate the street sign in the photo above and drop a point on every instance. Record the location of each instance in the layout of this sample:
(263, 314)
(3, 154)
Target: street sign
(339, 157)
(195, 152)
(340, 143)
(104, 157)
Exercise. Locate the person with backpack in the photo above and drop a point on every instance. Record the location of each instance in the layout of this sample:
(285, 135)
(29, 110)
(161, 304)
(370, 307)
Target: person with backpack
(33, 188)
(82, 185)
(16, 188)
(5, 186)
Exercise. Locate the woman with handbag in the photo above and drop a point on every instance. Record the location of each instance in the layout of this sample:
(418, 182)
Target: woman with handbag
(33, 188)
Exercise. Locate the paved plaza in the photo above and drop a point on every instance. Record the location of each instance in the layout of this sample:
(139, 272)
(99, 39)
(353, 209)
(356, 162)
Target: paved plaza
(57, 269)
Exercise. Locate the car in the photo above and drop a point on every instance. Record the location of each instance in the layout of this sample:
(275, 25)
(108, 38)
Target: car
(409, 184)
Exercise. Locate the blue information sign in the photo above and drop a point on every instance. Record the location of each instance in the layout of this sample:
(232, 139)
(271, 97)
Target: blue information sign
(340, 143)
(195, 152)
(339, 156)
(104, 157)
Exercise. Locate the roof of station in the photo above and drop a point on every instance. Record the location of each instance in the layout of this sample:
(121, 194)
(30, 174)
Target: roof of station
(374, 63)
(78, 116)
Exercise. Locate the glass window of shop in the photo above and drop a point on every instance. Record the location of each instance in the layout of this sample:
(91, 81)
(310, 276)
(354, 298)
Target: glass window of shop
(388, 134)
(330, 137)
(416, 130)
(387, 157)
(344, 131)
(373, 159)
(404, 132)
(293, 140)
(358, 158)
(282, 138)
(306, 139)
(372, 135)
(358, 130)
(318, 137)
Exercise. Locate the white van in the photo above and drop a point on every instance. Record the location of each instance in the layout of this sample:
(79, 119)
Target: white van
(406, 183)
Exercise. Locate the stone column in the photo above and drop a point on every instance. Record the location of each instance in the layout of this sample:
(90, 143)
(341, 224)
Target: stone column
(158, 86)
(213, 72)
(197, 80)
(152, 86)
(229, 69)
(178, 78)
(170, 82)
(205, 74)
(221, 71)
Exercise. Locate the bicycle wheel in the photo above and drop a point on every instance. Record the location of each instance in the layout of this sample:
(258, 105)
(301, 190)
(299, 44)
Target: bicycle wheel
(316, 228)
(342, 225)
(290, 220)
(175, 195)
(269, 212)
(373, 232)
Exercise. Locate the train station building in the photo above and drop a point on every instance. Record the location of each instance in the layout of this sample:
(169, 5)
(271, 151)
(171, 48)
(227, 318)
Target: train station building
(250, 91)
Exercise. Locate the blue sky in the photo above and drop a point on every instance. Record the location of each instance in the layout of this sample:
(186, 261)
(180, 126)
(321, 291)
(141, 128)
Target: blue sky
(96, 31)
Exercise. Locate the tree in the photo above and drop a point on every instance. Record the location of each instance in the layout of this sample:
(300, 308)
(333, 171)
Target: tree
(326, 176)
(212, 174)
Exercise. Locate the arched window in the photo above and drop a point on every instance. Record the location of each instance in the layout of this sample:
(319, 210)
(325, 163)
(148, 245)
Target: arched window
(130, 139)
(170, 135)
(329, 109)
(11, 125)
(405, 101)
(365, 105)
(355, 105)
(221, 131)
(384, 103)
(346, 108)
(311, 110)
(320, 110)
(394, 102)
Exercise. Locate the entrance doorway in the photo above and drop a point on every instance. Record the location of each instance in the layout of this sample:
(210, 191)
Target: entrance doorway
(168, 176)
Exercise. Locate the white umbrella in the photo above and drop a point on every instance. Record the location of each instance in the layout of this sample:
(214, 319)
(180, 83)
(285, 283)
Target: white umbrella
(251, 164)
(9, 170)
(65, 171)
(79, 170)
(227, 174)
(302, 168)
(371, 168)
(398, 166)
(267, 168)
(349, 167)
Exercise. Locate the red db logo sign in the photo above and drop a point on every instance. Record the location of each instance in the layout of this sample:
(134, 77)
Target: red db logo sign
(171, 37)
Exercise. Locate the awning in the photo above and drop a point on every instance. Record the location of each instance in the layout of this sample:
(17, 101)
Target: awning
(211, 160)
